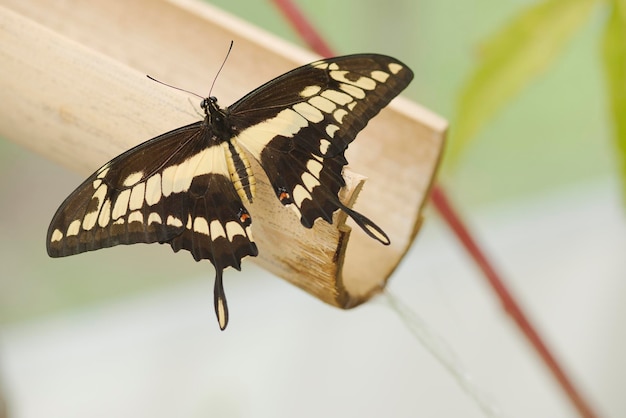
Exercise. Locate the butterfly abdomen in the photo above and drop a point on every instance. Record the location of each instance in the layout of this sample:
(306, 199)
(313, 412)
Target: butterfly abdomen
(240, 172)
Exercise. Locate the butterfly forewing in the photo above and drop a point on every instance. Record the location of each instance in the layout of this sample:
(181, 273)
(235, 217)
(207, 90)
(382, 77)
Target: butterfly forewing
(174, 188)
(299, 125)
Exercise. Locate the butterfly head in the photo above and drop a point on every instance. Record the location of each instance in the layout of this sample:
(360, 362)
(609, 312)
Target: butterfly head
(208, 104)
(215, 115)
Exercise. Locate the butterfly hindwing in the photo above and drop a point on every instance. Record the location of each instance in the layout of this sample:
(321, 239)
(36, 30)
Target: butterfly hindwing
(299, 125)
(217, 225)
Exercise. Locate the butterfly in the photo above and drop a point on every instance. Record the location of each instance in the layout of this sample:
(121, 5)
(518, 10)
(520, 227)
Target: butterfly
(190, 187)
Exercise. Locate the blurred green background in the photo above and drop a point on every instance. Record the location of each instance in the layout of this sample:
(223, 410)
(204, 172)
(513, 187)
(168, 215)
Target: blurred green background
(555, 134)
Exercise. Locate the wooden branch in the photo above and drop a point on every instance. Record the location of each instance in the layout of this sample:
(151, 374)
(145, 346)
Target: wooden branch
(73, 79)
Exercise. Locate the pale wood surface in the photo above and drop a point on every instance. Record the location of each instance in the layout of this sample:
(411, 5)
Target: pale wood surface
(74, 89)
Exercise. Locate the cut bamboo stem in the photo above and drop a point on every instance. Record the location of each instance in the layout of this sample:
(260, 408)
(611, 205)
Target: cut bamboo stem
(73, 75)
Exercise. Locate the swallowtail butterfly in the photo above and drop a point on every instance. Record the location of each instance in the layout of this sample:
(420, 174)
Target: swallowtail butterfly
(189, 187)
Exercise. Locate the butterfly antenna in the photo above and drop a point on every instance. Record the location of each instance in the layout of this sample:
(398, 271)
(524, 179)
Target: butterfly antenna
(174, 87)
(221, 66)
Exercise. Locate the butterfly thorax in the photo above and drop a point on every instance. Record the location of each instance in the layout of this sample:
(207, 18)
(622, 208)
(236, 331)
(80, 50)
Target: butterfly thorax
(217, 120)
(222, 132)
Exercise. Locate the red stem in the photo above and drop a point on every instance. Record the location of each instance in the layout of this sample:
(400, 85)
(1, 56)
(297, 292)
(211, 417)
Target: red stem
(312, 37)
(441, 202)
(303, 26)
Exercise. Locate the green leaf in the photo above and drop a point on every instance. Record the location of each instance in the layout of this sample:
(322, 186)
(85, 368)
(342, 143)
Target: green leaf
(512, 58)
(614, 46)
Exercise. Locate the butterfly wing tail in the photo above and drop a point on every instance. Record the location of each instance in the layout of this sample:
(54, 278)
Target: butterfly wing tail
(367, 225)
(221, 307)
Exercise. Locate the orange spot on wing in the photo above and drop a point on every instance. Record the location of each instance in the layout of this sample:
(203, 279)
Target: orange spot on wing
(283, 196)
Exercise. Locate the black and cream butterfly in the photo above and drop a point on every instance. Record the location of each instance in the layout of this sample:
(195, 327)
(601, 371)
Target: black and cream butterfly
(189, 187)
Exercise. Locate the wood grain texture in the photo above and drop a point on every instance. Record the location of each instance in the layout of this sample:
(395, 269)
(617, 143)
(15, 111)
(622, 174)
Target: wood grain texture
(73, 79)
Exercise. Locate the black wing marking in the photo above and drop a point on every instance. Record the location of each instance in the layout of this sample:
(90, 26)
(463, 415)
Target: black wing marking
(172, 189)
(299, 125)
